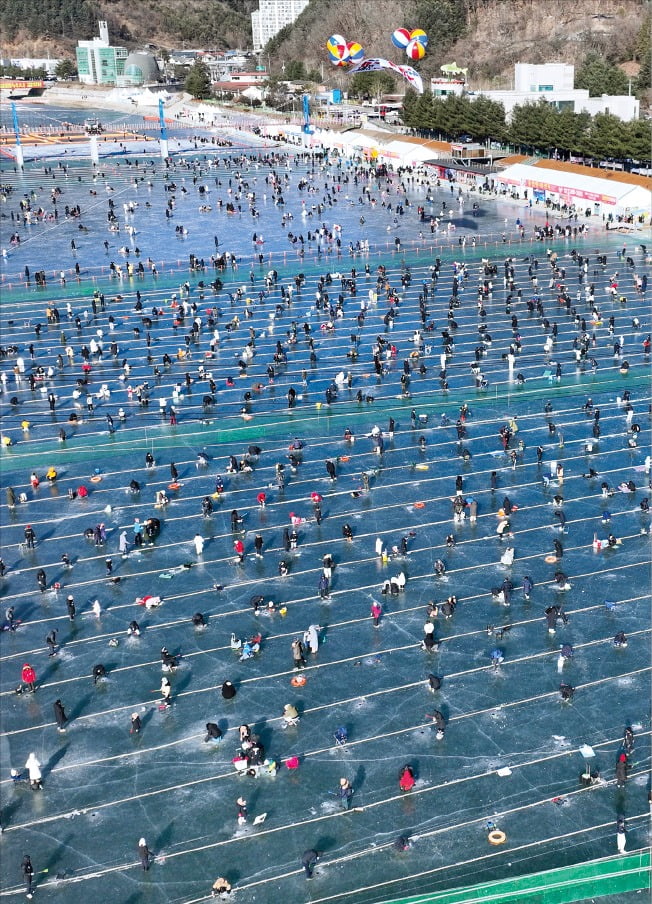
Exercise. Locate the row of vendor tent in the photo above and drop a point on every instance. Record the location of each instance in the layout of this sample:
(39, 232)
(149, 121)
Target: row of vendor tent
(603, 192)
(616, 193)
(377, 145)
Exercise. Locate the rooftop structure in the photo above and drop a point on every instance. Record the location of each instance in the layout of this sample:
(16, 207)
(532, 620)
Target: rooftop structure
(139, 69)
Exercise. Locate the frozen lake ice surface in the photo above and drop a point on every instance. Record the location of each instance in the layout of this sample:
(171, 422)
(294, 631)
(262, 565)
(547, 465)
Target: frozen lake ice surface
(105, 786)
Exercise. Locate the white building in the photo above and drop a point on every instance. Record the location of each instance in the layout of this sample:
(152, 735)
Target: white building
(442, 87)
(532, 78)
(35, 63)
(271, 16)
(98, 63)
(554, 83)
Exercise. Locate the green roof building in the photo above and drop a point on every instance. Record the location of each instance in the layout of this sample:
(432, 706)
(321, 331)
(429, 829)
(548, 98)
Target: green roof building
(98, 63)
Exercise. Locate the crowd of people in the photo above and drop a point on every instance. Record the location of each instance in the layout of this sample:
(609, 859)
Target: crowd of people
(384, 347)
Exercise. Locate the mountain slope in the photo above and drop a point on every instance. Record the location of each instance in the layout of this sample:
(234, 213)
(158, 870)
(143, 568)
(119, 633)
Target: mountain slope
(38, 27)
(488, 36)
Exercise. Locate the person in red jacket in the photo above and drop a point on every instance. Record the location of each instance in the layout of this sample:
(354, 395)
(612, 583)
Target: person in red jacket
(406, 779)
(239, 549)
(28, 677)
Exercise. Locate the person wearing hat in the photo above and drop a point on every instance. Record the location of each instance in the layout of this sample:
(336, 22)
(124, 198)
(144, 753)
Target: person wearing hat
(28, 875)
(33, 767)
(144, 854)
(621, 770)
(242, 811)
(290, 715)
(135, 724)
(59, 714)
(70, 606)
(228, 690)
(621, 834)
(166, 691)
(345, 793)
(220, 887)
(30, 536)
(429, 643)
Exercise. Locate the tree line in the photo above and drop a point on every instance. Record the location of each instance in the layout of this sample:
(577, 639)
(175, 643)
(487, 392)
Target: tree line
(72, 19)
(533, 128)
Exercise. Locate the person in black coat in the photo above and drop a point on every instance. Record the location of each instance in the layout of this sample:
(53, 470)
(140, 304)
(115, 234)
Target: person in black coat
(228, 690)
(308, 860)
(59, 715)
(28, 875)
(621, 770)
(144, 854)
(213, 732)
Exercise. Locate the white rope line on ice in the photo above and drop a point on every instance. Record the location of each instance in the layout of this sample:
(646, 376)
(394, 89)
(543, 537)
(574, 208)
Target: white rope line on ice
(315, 753)
(314, 667)
(102, 638)
(317, 569)
(329, 816)
(309, 668)
(248, 509)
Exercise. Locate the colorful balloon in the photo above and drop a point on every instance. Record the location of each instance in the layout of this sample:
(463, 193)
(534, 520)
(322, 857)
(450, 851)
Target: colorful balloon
(342, 60)
(355, 52)
(335, 42)
(339, 55)
(337, 50)
(415, 50)
(418, 34)
(401, 38)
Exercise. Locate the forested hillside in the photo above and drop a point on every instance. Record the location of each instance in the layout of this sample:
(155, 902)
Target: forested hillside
(487, 36)
(34, 27)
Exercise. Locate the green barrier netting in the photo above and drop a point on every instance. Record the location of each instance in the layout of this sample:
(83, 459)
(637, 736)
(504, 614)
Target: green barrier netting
(304, 422)
(598, 878)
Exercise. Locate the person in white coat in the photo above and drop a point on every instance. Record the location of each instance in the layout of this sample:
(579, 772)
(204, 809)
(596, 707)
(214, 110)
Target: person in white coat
(199, 544)
(34, 770)
(621, 834)
(507, 557)
(311, 638)
(166, 691)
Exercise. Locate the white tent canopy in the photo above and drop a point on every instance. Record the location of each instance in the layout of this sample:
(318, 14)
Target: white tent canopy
(577, 188)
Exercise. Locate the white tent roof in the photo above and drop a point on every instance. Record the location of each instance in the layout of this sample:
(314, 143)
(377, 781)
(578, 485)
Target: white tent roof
(576, 186)
(408, 151)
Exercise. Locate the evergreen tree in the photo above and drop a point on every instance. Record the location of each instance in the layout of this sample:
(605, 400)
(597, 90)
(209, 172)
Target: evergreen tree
(409, 108)
(295, 71)
(606, 137)
(485, 119)
(567, 130)
(369, 85)
(600, 77)
(198, 81)
(529, 126)
(637, 141)
(65, 69)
